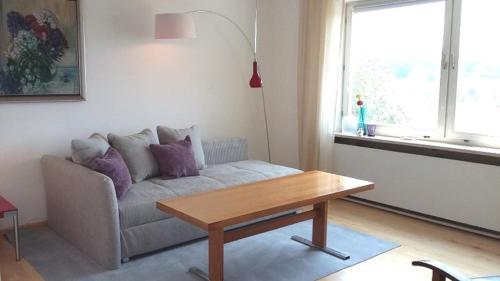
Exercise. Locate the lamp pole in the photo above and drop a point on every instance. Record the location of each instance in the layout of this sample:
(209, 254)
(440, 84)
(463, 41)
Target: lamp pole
(253, 49)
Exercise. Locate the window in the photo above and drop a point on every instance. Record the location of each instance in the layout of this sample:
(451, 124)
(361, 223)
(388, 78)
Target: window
(426, 68)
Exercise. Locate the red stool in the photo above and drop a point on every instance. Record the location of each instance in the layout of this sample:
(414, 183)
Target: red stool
(8, 210)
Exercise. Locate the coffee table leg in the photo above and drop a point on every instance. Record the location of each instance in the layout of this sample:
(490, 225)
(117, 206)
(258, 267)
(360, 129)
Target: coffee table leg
(215, 257)
(320, 222)
(319, 232)
(216, 254)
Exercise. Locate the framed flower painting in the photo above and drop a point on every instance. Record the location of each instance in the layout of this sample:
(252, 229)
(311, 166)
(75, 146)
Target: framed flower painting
(40, 50)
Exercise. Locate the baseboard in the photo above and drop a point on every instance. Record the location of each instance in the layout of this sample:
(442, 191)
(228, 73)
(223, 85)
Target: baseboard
(450, 223)
(25, 226)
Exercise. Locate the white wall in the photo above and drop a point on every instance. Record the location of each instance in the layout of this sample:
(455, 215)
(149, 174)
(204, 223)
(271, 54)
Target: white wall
(279, 35)
(134, 82)
(460, 191)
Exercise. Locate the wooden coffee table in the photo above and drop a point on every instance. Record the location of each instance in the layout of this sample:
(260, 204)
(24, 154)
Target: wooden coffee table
(215, 210)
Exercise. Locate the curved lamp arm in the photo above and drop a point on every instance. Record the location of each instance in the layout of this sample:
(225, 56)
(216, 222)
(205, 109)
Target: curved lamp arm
(182, 28)
(232, 22)
(253, 49)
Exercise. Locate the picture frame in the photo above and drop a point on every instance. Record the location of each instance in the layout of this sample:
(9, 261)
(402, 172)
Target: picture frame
(41, 57)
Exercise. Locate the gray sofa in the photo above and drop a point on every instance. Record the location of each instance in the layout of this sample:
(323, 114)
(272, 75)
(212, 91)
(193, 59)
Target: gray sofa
(83, 209)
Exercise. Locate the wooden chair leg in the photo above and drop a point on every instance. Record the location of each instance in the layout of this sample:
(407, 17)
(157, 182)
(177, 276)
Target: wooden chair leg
(437, 276)
(440, 271)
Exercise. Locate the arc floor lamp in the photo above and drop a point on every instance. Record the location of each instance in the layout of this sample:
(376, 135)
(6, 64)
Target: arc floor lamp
(181, 25)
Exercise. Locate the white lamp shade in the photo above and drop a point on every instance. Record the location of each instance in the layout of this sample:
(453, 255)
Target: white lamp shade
(172, 26)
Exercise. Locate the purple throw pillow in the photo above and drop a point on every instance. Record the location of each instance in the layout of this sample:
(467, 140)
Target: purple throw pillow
(112, 165)
(175, 159)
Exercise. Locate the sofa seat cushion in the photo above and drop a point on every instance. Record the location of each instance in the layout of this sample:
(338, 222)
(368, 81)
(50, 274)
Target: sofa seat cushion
(139, 205)
(269, 171)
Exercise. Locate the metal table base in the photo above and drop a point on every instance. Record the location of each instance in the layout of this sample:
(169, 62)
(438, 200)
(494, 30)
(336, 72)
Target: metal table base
(15, 222)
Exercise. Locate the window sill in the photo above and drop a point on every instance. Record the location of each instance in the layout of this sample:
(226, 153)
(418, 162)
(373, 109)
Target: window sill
(488, 156)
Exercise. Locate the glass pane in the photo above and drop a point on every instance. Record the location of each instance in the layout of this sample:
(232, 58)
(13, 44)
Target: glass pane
(395, 62)
(478, 88)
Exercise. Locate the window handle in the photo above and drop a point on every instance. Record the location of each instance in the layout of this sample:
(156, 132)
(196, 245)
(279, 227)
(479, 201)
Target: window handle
(452, 61)
(444, 62)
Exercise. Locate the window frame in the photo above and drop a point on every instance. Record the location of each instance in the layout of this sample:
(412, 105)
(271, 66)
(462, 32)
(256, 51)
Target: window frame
(445, 131)
(451, 134)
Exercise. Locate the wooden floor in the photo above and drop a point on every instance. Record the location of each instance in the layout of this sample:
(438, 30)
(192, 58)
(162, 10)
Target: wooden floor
(10, 270)
(473, 254)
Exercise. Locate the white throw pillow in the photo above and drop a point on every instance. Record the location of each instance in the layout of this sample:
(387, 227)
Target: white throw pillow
(135, 151)
(168, 135)
(83, 151)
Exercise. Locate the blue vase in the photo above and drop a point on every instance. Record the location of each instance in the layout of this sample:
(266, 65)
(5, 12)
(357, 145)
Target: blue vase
(361, 120)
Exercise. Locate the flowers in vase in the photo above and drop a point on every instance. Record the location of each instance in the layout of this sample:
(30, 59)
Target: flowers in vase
(36, 44)
(362, 128)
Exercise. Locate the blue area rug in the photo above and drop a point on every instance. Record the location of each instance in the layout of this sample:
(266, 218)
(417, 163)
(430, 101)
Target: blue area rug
(268, 256)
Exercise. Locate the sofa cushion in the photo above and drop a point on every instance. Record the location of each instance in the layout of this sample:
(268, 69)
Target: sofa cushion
(139, 205)
(189, 185)
(113, 166)
(83, 151)
(268, 170)
(168, 135)
(229, 175)
(135, 151)
(175, 159)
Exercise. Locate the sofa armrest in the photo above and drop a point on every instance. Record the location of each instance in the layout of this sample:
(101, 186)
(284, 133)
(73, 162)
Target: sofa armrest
(224, 151)
(83, 209)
